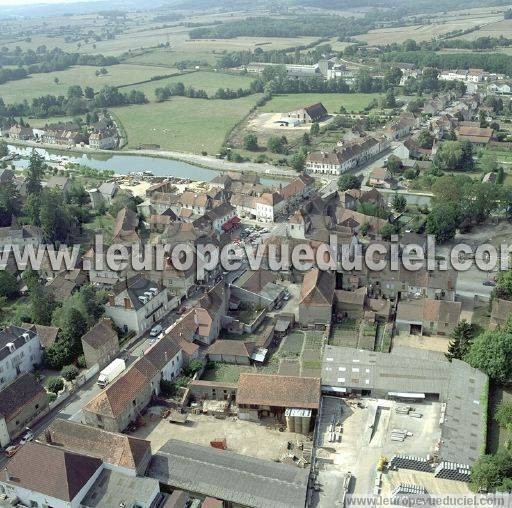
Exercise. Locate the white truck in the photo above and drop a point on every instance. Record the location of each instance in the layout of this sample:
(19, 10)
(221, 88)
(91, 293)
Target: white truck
(111, 371)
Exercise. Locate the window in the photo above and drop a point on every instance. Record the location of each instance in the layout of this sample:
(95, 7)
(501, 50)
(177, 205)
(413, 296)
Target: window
(33, 504)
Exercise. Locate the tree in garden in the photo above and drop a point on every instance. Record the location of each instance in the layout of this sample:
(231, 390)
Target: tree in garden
(390, 99)
(35, 173)
(394, 164)
(3, 149)
(298, 160)
(460, 342)
(69, 372)
(387, 231)
(491, 352)
(442, 222)
(425, 139)
(275, 144)
(251, 142)
(8, 284)
(503, 288)
(449, 156)
(54, 384)
(42, 304)
(315, 129)
(74, 327)
(399, 203)
(54, 216)
(346, 182)
(9, 203)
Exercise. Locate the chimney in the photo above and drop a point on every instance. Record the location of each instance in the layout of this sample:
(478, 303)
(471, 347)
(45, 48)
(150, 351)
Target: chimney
(7, 476)
(48, 436)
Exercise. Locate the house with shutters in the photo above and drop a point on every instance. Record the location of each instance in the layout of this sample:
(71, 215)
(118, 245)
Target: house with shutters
(137, 303)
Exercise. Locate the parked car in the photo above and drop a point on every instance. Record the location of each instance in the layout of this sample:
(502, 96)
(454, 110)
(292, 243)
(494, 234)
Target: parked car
(10, 451)
(27, 437)
(155, 331)
(489, 283)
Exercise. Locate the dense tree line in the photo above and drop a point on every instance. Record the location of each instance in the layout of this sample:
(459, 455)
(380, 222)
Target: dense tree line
(460, 202)
(77, 101)
(179, 89)
(275, 79)
(491, 62)
(43, 60)
(296, 55)
(479, 44)
(312, 26)
(429, 82)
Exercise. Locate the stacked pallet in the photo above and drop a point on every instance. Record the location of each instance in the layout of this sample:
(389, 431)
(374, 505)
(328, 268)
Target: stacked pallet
(403, 410)
(405, 490)
(400, 434)
(410, 462)
(453, 471)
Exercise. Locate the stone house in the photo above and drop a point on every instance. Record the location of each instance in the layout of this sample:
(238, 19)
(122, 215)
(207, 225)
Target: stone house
(21, 401)
(100, 344)
(426, 316)
(122, 401)
(317, 298)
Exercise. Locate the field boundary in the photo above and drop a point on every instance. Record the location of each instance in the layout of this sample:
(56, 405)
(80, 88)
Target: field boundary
(156, 78)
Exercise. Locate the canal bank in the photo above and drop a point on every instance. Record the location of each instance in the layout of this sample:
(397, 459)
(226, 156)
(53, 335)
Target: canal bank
(159, 162)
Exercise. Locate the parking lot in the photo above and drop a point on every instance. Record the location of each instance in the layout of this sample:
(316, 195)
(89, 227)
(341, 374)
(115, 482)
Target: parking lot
(365, 436)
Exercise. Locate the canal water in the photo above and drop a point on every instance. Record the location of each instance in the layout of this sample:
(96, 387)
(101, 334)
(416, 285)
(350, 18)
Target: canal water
(125, 164)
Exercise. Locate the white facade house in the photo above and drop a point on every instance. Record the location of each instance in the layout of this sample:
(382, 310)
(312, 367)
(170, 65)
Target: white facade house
(137, 303)
(104, 140)
(263, 208)
(166, 355)
(268, 205)
(347, 156)
(500, 89)
(20, 351)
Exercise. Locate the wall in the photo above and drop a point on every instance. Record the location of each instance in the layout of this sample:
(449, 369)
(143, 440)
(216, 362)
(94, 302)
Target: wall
(207, 391)
(35, 408)
(310, 315)
(102, 356)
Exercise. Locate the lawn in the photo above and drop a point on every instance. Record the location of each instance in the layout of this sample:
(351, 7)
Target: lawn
(228, 373)
(208, 81)
(292, 344)
(182, 124)
(15, 311)
(43, 84)
(331, 101)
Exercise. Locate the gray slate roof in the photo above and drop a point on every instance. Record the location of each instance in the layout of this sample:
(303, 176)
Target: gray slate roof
(226, 475)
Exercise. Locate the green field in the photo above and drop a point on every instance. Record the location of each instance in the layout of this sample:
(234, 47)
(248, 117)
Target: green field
(181, 124)
(42, 84)
(208, 81)
(332, 101)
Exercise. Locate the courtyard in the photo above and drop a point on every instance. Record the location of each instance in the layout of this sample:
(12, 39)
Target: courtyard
(263, 440)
